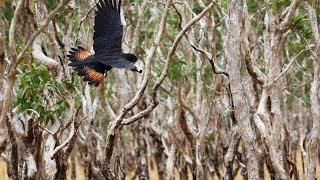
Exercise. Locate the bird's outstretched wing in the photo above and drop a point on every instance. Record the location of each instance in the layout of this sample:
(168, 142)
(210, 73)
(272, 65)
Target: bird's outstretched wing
(107, 61)
(119, 63)
(108, 32)
(92, 73)
(108, 29)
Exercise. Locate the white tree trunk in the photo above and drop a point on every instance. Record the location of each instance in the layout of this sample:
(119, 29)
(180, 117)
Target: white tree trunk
(234, 23)
(313, 142)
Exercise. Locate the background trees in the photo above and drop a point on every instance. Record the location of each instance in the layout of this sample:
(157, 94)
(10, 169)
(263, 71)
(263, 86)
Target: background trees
(229, 88)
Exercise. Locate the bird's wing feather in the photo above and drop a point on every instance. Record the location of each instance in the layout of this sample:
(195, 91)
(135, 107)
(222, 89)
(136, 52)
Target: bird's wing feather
(118, 63)
(93, 60)
(91, 72)
(92, 76)
(108, 30)
(109, 61)
(79, 54)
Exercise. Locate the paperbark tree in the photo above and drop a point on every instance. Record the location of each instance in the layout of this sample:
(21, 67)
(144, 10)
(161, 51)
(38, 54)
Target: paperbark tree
(228, 89)
(233, 44)
(313, 141)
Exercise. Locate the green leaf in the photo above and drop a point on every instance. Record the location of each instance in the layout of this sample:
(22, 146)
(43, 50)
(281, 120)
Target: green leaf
(7, 11)
(176, 69)
(33, 85)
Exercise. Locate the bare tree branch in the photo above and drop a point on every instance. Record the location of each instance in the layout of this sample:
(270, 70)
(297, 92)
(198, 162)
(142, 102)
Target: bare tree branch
(65, 143)
(114, 124)
(188, 108)
(288, 66)
(43, 26)
(13, 66)
(294, 5)
(172, 49)
(13, 28)
(42, 58)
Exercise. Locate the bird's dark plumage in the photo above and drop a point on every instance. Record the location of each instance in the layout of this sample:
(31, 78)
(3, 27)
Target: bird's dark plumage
(108, 32)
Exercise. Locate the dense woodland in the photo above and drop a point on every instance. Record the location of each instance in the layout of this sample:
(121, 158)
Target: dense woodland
(229, 89)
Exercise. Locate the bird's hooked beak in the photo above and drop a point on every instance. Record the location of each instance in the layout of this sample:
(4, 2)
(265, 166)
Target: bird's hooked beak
(136, 69)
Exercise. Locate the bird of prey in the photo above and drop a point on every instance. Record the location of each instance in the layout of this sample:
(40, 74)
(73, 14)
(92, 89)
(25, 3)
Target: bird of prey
(108, 32)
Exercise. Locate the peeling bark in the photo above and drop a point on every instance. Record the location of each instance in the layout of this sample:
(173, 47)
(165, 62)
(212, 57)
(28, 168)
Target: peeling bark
(242, 110)
(313, 141)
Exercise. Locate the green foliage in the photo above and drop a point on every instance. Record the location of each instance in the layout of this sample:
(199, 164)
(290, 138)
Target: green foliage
(145, 34)
(7, 11)
(110, 92)
(306, 99)
(70, 86)
(196, 8)
(61, 16)
(176, 69)
(252, 6)
(298, 20)
(208, 139)
(156, 71)
(207, 74)
(136, 1)
(32, 87)
(52, 4)
(299, 76)
(300, 23)
(278, 5)
(296, 46)
(194, 69)
(173, 21)
(224, 4)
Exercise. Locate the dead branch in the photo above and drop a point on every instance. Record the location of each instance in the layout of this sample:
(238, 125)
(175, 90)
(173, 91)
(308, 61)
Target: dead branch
(114, 124)
(16, 60)
(286, 68)
(42, 26)
(294, 5)
(230, 155)
(209, 56)
(13, 164)
(172, 49)
(42, 58)
(65, 143)
(1, 66)
(12, 28)
(188, 108)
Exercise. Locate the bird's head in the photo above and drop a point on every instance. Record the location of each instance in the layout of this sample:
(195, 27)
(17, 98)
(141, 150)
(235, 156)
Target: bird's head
(130, 57)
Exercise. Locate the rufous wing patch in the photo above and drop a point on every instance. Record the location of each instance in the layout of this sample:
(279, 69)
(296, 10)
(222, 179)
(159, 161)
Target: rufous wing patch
(82, 53)
(78, 54)
(93, 76)
(89, 72)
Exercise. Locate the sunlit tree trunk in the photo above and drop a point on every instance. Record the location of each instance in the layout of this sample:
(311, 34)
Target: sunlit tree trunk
(313, 141)
(234, 24)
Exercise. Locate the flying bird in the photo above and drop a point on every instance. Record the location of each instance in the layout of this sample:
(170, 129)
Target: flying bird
(107, 41)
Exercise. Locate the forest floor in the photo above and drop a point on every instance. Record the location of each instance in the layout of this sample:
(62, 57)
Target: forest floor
(154, 174)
